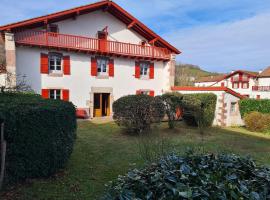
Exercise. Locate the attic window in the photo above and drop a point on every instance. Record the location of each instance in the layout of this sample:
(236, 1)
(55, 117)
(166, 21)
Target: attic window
(53, 28)
(143, 42)
(102, 35)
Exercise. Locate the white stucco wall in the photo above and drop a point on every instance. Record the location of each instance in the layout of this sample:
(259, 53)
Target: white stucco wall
(89, 24)
(80, 81)
(204, 84)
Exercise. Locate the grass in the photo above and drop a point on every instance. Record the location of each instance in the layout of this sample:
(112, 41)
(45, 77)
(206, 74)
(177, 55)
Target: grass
(102, 152)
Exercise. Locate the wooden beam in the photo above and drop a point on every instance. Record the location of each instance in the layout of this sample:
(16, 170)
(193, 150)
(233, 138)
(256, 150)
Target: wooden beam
(131, 24)
(153, 41)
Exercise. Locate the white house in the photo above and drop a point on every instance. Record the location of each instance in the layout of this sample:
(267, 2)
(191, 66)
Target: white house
(227, 111)
(249, 84)
(89, 55)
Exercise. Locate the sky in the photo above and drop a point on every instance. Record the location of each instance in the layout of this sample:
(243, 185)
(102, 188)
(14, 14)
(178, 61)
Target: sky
(217, 35)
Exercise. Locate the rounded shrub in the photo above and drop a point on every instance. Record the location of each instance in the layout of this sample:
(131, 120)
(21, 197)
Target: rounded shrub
(194, 177)
(199, 109)
(40, 135)
(137, 112)
(256, 121)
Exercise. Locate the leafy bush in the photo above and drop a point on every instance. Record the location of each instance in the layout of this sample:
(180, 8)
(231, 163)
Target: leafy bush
(172, 102)
(194, 177)
(249, 105)
(40, 135)
(137, 112)
(256, 121)
(199, 109)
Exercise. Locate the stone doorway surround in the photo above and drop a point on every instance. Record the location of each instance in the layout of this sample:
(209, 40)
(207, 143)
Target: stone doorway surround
(100, 90)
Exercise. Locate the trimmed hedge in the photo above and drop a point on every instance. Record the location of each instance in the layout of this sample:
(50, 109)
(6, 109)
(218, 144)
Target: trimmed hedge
(40, 135)
(249, 105)
(199, 108)
(194, 177)
(137, 112)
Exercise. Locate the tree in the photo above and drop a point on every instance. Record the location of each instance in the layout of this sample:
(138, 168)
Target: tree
(172, 102)
(15, 83)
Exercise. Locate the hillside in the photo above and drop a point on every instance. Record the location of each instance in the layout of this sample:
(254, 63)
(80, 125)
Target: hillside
(186, 74)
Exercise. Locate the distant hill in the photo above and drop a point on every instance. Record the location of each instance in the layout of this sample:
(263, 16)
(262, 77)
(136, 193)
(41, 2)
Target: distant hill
(186, 74)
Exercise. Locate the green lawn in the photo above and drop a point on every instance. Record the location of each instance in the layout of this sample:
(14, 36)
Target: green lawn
(102, 152)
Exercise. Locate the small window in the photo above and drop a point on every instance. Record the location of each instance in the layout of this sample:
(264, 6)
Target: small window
(235, 85)
(245, 85)
(143, 43)
(53, 28)
(55, 94)
(233, 107)
(55, 62)
(146, 92)
(144, 68)
(102, 66)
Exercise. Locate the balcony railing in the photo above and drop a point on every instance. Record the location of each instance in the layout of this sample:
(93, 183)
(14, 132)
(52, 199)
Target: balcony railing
(261, 88)
(79, 43)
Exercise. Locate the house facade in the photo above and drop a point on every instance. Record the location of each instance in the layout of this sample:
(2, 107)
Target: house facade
(90, 55)
(249, 84)
(227, 112)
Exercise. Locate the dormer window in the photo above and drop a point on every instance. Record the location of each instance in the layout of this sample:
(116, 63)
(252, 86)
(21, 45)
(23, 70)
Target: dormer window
(55, 62)
(144, 68)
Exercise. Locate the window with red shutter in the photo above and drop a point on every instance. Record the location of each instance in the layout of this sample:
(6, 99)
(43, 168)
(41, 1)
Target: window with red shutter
(111, 68)
(66, 63)
(151, 71)
(93, 66)
(45, 93)
(44, 63)
(65, 95)
(137, 70)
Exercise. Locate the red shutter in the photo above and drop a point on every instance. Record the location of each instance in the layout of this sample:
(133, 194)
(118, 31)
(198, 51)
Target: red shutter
(93, 66)
(65, 95)
(151, 71)
(138, 92)
(44, 64)
(45, 93)
(137, 70)
(111, 67)
(152, 93)
(66, 63)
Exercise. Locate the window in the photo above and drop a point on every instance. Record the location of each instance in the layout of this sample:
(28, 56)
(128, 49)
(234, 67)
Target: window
(145, 92)
(143, 43)
(53, 28)
(245, 85)
(55, 94)
(55, 62)
(233, 107)
(235, 85)
(102, 66)
(144, 68)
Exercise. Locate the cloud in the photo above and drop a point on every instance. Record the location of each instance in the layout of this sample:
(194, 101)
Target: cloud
(218, 35)
(242, 44)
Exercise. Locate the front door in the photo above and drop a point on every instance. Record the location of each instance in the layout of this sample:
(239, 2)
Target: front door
(101, 104)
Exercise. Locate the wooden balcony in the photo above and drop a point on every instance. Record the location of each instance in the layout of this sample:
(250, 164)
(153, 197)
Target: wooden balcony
(90, 45)
(261, 88)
